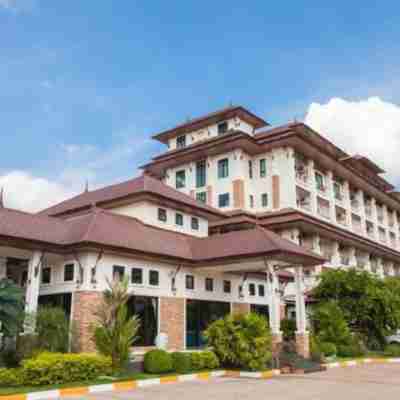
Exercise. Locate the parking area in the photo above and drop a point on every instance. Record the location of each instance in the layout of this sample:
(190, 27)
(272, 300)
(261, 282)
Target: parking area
(355, 383)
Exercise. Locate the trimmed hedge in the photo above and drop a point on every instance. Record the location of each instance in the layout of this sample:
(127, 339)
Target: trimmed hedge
(328, 349)
(204, 360)
(10, 377)
(157, 362)
(392, 350)
(181, 362)
(56, 368)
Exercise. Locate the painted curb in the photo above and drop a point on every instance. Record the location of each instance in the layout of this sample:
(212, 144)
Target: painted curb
(354, 363)
(131, 385)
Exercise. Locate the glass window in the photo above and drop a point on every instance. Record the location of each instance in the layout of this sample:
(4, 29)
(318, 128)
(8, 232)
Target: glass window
(118, 273)
(263, 168)
(264, 199)
(250, 169)
(209, 284)
(146, 309)
(223, 200)
(46, 275)
(179, 219)
(190, 282)
(223, 168)
(162, 214)
(154, 278)
(201, 169)
(251, 201)
(195, 223)
(319, 180)
(252, 289)
(227, 286)
(181, 141)
(137, 276)
(222, 127)
(202, 197)
(69, 272)
(261, 290)
(180, 179)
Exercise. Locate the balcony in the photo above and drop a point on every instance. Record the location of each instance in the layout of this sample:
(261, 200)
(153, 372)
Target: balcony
(323, 208)
(368, 207)
(356, 224)
(355, 201)
(301, 169)
(341, 216)
(370, 230)
(320, 182)
(382, 235)
(393, 241)
(303, 199)
(338, 191)
(390, 219)
(379, 214)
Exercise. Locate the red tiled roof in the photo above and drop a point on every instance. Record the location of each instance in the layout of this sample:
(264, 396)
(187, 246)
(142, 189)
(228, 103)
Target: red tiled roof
(140, 185)
(106, 229)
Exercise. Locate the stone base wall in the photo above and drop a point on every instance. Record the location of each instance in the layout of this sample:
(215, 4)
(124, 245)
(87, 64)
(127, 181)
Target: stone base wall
(303, 344)
(85, 304)
(240, 308)
(172, 321)
(283, 311)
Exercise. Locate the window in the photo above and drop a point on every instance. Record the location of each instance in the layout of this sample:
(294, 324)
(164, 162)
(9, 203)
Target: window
(201, 169)
(137, 276)
(154, 278)
(264, 199)
(250, 169)
(337, 189)
(227, 286)
(181, 142)
(251, 201)
(179, 219)
(69, 272)
(252, 289)
(46, 275)
(162, 214)
(223, 200)
(222, 127)
(202, 197)
(319, 180)
(263, 168)
(180, 179)
(118, 273)
(261, 290)
(189, 282)
(195, 223)
(223, 168)
(209, 284)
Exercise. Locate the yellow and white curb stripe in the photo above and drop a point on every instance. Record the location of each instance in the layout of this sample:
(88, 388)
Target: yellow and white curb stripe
(131, 385)
(353, 363)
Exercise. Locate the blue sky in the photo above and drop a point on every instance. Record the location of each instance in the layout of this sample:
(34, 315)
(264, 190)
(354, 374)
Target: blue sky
(83, 84)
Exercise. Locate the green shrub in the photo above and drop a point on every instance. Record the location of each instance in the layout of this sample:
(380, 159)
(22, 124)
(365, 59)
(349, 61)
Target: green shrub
(315, 351)
(210, 360)
(328, 349)
(157, 362)
(241, 341)
(288, 328)
(197, 361)
(56, 368)
(27, 346)
(10, 377)
(181, 362)
(392, 350)
(356, 348)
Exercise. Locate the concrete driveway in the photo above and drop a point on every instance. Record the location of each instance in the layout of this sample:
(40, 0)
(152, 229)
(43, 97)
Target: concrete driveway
(355, 383)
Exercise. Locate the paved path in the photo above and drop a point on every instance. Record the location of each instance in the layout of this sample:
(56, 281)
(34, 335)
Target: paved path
(369, 382)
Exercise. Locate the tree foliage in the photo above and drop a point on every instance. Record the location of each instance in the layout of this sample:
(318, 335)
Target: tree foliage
(115, 331)
(242, 341)
(11, 306)
(370, 305)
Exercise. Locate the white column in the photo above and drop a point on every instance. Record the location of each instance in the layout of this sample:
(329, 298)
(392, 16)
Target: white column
(3, 268)
(367, 263)
(336, 262)
(379, 271)
(275, 309)
(353, 258)
(301, 318)
(317, 249)
(331, 195)
(33, 284)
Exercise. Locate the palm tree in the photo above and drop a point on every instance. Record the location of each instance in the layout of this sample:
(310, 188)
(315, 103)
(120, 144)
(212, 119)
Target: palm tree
(11, 306)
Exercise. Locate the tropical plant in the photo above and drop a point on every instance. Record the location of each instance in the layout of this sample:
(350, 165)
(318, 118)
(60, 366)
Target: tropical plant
(370, 305)
(242, 341)
(115, 331)
(11, 306)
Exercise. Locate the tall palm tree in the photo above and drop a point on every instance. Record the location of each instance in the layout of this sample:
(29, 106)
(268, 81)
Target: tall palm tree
(11, 306)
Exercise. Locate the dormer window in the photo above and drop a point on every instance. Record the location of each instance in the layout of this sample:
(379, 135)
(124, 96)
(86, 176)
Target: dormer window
(181, 142)
(222, 128)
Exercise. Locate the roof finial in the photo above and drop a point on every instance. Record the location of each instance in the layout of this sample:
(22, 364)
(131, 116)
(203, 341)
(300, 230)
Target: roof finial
(86, 185)
(2, 197)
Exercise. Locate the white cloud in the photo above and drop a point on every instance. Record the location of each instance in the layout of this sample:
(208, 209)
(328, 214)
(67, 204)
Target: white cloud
(29, 193)
(369, 127)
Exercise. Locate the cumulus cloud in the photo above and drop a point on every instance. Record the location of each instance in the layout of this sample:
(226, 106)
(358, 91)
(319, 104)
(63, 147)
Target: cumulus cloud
(370, 127)
(29, 193)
